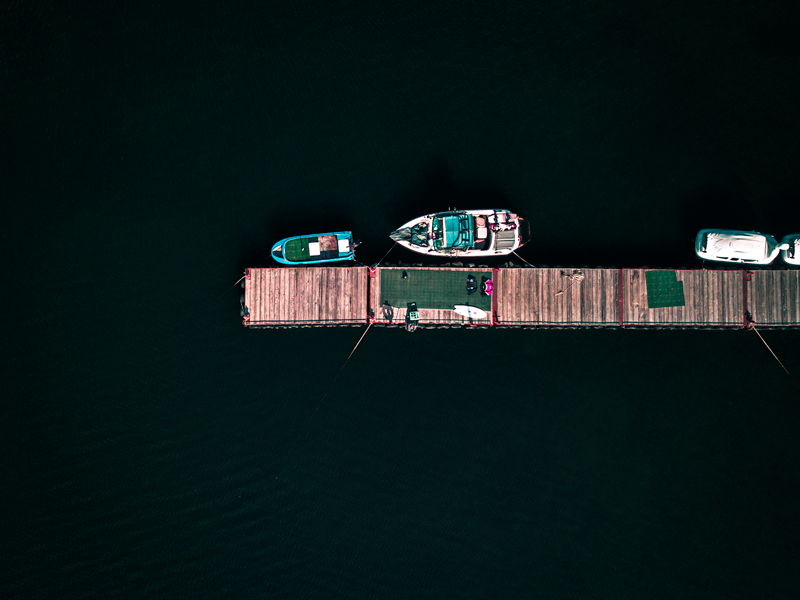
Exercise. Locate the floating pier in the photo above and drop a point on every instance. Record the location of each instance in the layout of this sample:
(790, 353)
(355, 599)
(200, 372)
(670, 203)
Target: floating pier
(530, 297)
(305, 296)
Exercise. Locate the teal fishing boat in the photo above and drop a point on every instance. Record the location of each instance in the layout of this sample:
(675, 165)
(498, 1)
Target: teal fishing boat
(315, 248)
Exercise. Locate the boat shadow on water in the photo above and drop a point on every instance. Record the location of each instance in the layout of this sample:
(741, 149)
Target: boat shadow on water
(437, 190)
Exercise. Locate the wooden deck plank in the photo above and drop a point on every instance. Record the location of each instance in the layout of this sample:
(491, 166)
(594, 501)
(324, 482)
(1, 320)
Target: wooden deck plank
(530, 297)
(773, 297)
(285, 295)
(548, 296)
(712, 298)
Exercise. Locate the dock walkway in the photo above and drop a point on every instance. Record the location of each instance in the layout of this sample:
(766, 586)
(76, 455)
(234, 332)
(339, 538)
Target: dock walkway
(530, 297)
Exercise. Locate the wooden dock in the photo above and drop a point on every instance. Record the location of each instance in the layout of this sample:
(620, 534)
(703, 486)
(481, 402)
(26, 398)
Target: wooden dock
(552, 297)
(773, 297)
(527, 297)
(283, 296)
(713, 299)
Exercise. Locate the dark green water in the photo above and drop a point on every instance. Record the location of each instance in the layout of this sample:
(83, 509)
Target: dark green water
(153, 448)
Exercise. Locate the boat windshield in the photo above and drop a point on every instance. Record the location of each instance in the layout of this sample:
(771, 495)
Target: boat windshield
(737, 246)
(452, 232)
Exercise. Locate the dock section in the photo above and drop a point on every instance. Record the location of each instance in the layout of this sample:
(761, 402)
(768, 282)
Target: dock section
(435, 291)
(557, 297)
(773, 298)
(683, 298)
(305, 296)
(528, 297)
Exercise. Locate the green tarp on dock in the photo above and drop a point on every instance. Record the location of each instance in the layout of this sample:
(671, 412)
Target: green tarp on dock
(664, 289)
(432, 289)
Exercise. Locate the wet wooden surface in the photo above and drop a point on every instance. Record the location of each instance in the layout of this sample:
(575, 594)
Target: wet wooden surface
(712, 298)
(306, 295)
(557, 297)
(773, 297)
(579, 297)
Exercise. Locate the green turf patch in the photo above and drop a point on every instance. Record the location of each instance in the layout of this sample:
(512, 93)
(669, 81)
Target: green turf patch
(432, 289)
(296, 250)
(664, 289)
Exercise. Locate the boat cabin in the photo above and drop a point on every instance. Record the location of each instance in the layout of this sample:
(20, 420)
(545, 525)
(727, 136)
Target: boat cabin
(317, 248)
(474, 232)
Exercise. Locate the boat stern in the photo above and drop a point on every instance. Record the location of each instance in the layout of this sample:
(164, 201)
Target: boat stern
(791, 253)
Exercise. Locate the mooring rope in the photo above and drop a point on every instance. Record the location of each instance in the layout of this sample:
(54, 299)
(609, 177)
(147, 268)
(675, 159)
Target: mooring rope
(576, 275)
(753, 327)
(384, 256)
(230, 288)
(343, 366)
(522, 259)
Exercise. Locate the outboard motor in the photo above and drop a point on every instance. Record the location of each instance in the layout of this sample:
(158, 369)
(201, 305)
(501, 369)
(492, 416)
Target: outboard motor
(412, 317)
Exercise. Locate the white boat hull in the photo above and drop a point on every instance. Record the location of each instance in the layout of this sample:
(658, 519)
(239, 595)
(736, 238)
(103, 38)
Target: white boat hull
(464, 233)
(734, 246)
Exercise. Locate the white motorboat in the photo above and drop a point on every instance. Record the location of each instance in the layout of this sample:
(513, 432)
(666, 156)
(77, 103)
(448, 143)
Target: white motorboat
(732, 246)
(465, 233)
